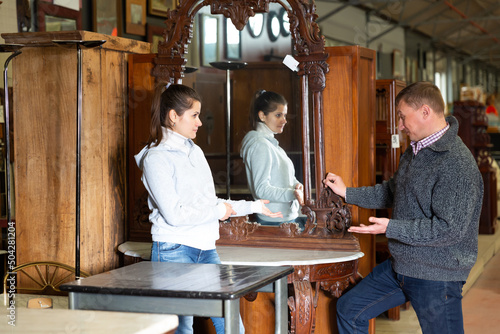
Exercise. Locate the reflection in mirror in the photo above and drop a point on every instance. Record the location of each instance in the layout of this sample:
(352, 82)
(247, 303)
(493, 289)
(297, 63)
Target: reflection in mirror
(285, 22)
(270, 172)
(273, 26)
(209, 28)
(233, 41)
(256, 25)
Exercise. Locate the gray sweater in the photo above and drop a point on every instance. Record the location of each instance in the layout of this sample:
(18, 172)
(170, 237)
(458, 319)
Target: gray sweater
(436, 197)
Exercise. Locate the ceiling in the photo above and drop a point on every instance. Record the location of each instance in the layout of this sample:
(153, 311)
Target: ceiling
(468, 27)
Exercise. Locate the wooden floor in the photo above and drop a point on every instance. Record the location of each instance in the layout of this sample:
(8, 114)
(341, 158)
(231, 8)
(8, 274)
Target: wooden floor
(481, 302)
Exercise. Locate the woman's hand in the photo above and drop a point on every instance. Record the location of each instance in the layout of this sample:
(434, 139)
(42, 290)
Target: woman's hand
(267, 212)
(229, 211)
(335, 183)
(299, 193)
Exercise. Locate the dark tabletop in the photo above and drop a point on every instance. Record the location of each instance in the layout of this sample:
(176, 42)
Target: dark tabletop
(181, 280)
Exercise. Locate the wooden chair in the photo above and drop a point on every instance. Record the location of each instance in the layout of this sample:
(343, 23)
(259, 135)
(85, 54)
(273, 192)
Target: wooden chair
(43, 277)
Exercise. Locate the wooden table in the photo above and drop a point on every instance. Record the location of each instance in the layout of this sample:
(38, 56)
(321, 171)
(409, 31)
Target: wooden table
(315, 270)
(207, 290)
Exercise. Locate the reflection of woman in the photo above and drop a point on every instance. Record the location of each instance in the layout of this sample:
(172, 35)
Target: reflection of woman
(185, 210)
(270, 172)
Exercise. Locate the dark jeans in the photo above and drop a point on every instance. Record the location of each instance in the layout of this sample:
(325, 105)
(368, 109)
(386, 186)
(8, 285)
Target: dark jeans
(438, 304)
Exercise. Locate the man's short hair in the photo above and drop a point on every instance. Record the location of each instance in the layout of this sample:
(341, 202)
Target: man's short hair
(419, 93)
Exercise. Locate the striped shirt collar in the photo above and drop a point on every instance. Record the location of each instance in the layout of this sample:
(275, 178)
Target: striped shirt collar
(427, 141)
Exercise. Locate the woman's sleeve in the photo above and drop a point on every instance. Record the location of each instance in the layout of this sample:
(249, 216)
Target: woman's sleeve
(259, 161)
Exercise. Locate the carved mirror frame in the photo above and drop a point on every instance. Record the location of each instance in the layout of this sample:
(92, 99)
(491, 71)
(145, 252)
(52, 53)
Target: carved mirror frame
(328, 218)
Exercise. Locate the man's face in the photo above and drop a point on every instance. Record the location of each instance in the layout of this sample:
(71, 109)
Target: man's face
(410, 121)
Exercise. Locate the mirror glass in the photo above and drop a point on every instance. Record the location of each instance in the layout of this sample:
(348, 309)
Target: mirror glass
(264, 70)
(256, 25)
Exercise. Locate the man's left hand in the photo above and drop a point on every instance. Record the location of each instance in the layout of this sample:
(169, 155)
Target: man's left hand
(378, 226)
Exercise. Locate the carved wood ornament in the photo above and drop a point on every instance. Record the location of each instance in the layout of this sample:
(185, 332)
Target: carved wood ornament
(328, 217)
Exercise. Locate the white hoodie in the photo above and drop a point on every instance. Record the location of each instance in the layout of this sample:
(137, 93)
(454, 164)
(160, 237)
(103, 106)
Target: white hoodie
(185, 208)
(270, 173)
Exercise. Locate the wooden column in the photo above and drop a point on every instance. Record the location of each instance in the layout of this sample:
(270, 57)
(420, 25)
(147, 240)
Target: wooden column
(44, 84)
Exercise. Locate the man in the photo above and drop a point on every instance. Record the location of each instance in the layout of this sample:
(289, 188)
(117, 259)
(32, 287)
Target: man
(436, 196)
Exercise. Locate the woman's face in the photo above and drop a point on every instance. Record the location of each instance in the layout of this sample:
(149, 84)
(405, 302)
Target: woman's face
(275, 120)
(187, 125)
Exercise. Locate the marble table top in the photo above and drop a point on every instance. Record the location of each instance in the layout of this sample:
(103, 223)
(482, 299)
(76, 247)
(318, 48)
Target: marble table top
(180, 280)
(282, 257)
(256, 255)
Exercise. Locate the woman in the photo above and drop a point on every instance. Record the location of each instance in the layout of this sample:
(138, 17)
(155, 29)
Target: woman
(270, 172)
(185, 210)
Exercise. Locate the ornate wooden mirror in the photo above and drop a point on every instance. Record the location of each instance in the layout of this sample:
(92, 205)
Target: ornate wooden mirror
(328, 218)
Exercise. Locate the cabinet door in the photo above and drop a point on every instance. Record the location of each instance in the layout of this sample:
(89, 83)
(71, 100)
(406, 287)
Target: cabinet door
(349, 128)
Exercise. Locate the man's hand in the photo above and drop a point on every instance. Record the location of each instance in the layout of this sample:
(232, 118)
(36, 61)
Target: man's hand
(378, 226)
(299, 193)
(335, 183)
(267, 212)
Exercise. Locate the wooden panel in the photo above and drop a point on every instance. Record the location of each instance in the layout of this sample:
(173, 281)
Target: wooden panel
(141, 90)
(45, 150)
(349, 118)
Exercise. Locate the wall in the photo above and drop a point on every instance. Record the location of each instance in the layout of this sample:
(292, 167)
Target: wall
(352, 26)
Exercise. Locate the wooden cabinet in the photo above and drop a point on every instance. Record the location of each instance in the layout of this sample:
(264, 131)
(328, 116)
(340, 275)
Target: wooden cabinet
(349, 129)
(390, 143)
(473, 124)
(45, 100)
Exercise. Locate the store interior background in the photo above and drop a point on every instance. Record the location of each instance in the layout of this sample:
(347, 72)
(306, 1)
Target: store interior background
(454, 44)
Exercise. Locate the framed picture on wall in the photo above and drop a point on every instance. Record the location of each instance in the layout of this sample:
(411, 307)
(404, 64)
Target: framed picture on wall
(155, 35)
(106, 18)
(209, 41)
(161, 7)
(56, 18)
(135, 17)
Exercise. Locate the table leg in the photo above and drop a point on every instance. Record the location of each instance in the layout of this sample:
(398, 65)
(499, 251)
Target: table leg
(232, 316)
(303, 311)
(281, 306)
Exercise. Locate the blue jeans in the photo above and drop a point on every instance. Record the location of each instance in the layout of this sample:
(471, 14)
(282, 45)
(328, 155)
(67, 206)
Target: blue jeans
(172, 252)
(438, 304)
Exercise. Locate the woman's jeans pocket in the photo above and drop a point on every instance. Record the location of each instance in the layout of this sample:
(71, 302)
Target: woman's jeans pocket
(168, 252)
